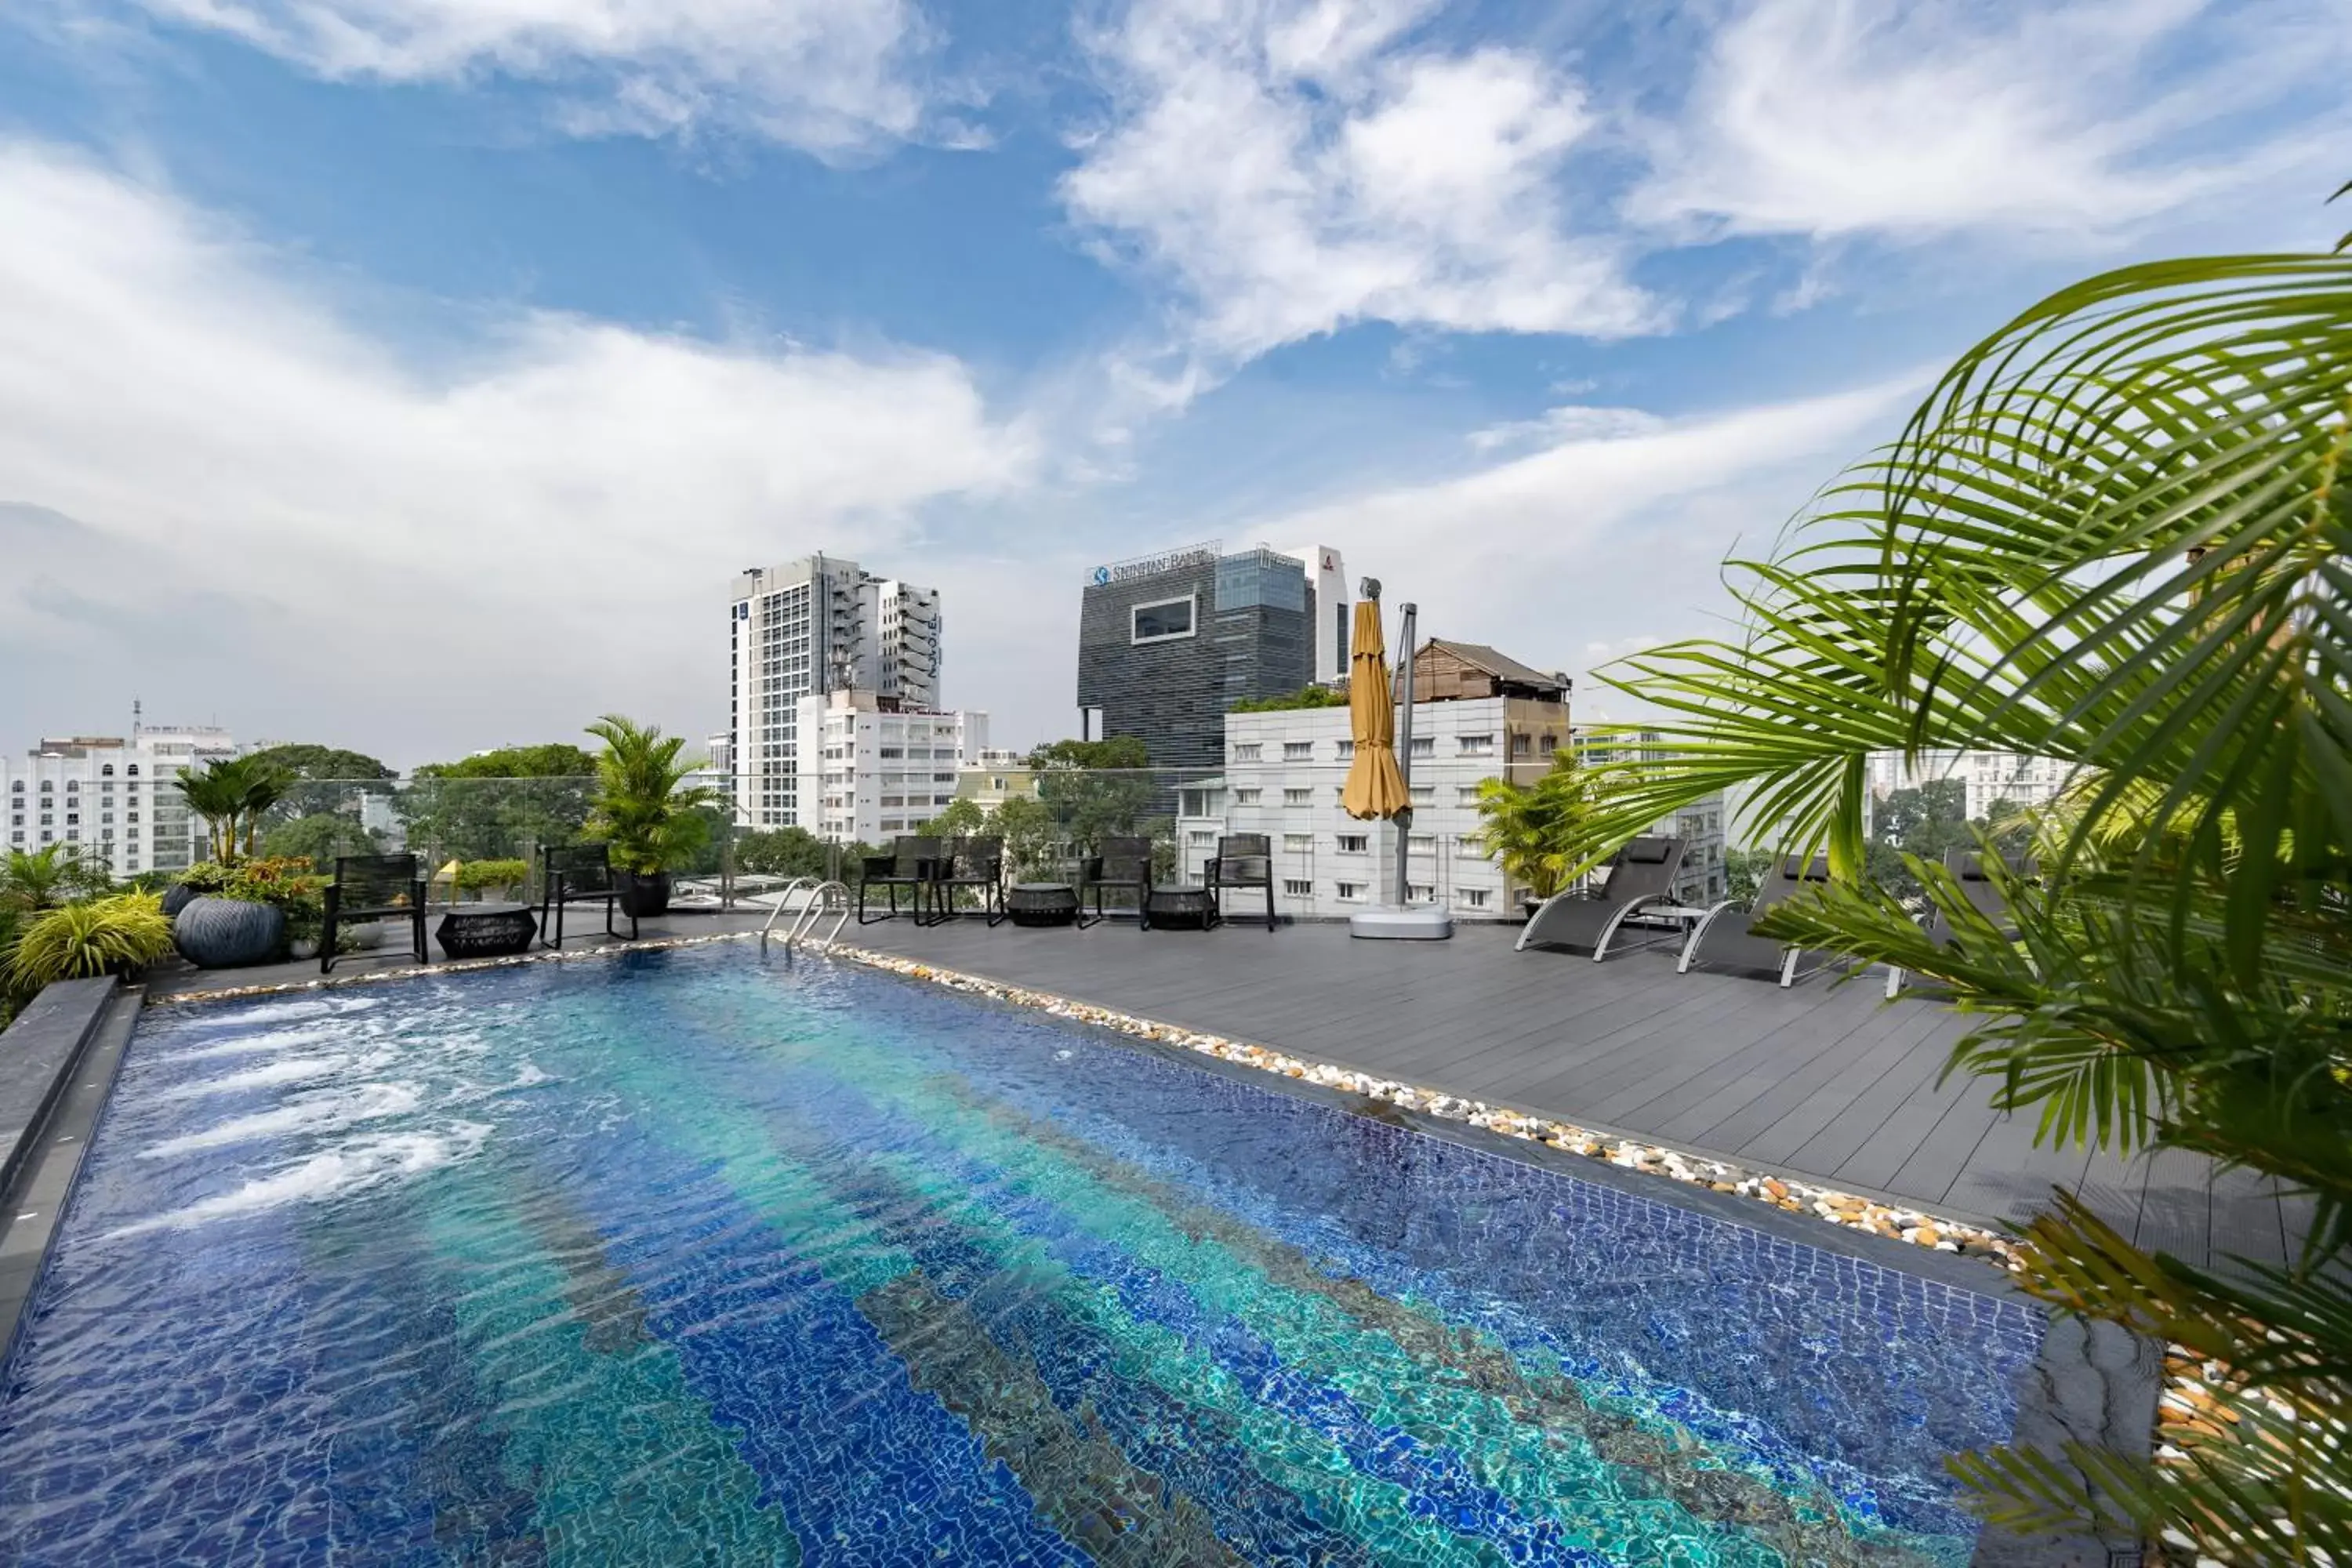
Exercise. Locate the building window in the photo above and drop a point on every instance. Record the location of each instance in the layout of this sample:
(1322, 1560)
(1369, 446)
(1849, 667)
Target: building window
(1292, 888)
(1202, 837)
(1421, 892)
(1466, 795)
(1347, 751)
(1470, 897)
(1246, 752)
(1298, 798)
(1163, 620)
(132, 770)
(1547, 744)
(1478, 746)
(1298, 841)
(1470, 846)
(1350, 892)
(1420, 844)
(1298, 751)
(1354, 842)
(1425, 745)
(1246, 797)
(1520, 745)
(1425, 794)
(48, 786)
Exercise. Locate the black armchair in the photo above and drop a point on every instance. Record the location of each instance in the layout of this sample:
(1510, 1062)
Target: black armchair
(976, 863)
(913, 864)
(372, 887)
(577, 874)
(1243, 860)
(1122, 863)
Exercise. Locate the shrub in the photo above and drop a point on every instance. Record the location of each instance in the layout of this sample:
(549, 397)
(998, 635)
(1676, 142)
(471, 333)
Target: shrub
(287, 882)
(104, 936)
(478, 874)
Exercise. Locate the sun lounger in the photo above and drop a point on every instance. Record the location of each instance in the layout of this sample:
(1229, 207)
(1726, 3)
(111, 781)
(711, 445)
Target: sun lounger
(1983, 894)
(1641, 886)
(1726, 938)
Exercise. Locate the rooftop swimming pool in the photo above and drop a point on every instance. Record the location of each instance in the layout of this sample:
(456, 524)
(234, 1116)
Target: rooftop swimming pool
(698, 1258)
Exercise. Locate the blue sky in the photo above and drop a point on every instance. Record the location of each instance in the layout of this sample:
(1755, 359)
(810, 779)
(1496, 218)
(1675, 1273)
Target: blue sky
(525, 323)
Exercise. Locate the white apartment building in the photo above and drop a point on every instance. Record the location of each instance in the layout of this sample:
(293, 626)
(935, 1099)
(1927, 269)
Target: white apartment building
(1284, 775)
(870, 768)
(1990, 776)
(810, 626)
(115, 799)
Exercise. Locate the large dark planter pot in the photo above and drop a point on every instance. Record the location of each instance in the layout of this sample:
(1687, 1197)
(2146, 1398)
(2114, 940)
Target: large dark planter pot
(176, 898)
(226, 933)
(643, 895)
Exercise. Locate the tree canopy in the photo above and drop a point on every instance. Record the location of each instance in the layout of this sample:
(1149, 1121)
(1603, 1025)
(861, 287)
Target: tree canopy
(552, 760)
(310, 763)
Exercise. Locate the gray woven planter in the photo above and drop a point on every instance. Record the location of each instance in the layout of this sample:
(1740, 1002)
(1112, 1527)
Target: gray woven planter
(225, 933)
(176, 898)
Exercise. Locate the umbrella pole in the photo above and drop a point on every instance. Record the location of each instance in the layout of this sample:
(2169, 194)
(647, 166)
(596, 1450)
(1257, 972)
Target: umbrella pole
(1403, 820)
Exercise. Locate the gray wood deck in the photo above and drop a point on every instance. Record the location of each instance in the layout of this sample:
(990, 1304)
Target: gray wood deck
(1832, 1084)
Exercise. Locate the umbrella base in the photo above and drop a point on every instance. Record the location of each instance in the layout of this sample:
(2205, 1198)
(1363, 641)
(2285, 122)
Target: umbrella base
(1414, 922)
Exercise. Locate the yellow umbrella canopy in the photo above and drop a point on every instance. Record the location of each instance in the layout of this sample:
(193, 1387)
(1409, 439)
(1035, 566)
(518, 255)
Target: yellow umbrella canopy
(1374, 786)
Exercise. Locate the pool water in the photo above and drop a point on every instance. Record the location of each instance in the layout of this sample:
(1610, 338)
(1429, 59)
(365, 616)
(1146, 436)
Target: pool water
(698, 1258)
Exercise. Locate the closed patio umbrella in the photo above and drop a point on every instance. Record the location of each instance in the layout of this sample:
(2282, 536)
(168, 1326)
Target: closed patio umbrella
(1374, 788)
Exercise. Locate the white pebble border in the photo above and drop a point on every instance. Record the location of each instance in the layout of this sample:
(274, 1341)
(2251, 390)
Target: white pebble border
(1837, 1208)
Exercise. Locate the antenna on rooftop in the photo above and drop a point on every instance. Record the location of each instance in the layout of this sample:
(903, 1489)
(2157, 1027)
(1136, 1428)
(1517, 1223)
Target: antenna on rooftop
(134, 718)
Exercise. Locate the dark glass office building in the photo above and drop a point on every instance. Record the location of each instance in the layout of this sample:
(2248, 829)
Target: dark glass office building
(1167, 645)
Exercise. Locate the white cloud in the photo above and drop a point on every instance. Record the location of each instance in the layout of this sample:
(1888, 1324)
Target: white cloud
(548, 529)
(1570, 422)
(1829, 118)
(1609, 537)
(1297, 165)
(825, 75)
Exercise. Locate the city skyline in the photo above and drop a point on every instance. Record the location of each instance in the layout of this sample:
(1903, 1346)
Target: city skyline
(1533, 311)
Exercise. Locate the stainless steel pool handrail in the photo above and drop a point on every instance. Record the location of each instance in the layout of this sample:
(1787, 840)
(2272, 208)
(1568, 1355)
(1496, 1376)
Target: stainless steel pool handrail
(805, 925)
(794, 886)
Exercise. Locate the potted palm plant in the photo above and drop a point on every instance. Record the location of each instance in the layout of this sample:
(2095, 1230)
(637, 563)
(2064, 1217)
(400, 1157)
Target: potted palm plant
(228, 923)
(644, 809)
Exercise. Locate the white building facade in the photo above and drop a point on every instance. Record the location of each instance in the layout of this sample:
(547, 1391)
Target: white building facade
(113, 799)
(870, 769)
(1991, 778)
(810, 626)
(1285, 771)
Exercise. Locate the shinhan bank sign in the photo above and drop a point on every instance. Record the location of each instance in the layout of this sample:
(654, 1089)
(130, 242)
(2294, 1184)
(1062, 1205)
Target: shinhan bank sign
(1201, 554)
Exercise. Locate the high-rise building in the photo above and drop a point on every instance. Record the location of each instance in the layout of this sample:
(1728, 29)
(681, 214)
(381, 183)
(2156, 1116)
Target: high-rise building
(1335, 602)
(114, 799)
(1167, 644)
(810, 626)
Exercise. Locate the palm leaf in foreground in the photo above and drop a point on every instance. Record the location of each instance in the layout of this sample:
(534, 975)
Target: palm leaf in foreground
(2115, 536)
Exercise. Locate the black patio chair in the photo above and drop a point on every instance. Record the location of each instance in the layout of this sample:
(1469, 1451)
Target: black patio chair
(1641, 886)
(977, 863)
(1726, 937)
(577, 874)
(1984, 895)
(1119, 863)
(913, 864)
(1243, 860)
(373, 888)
